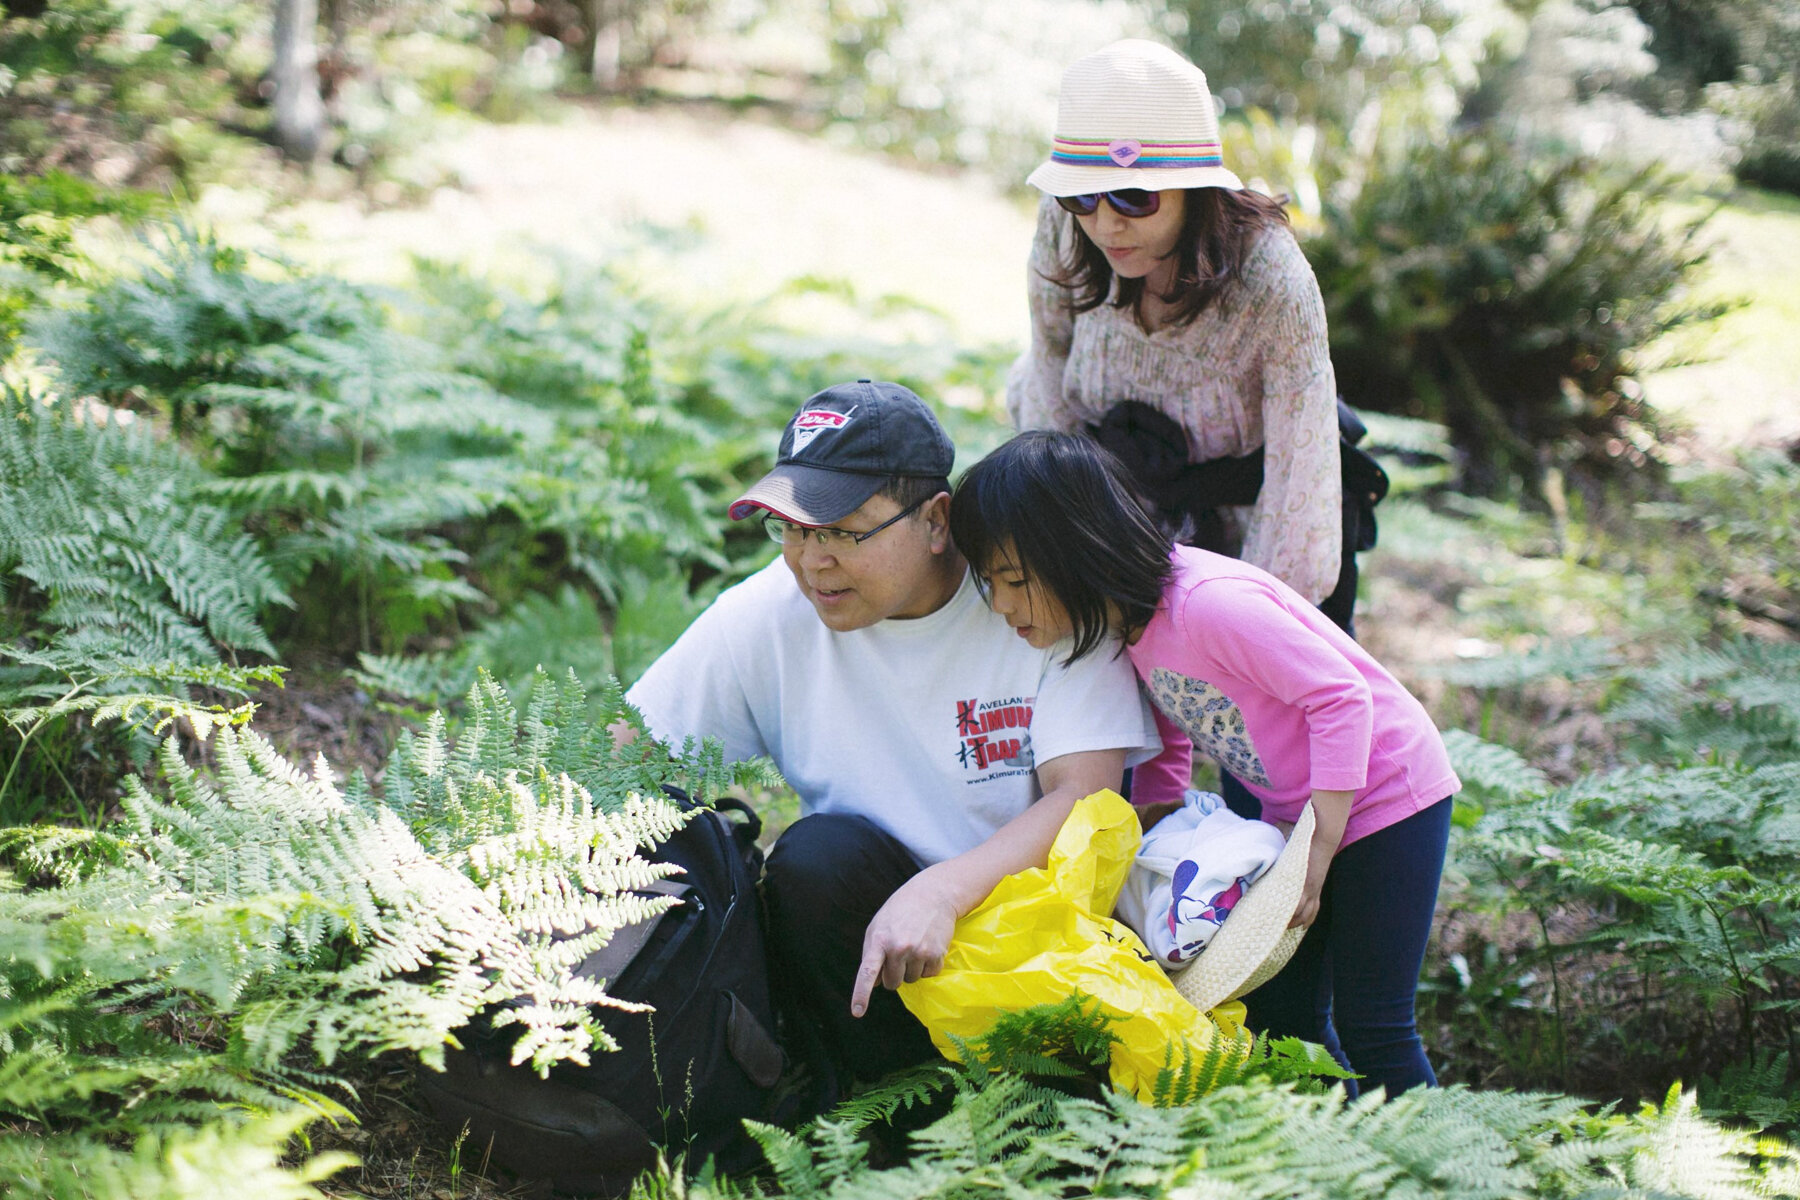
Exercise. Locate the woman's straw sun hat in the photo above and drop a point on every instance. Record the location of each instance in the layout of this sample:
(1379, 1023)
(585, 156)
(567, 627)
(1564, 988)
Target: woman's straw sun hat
(1255, 941)
(1134, 115)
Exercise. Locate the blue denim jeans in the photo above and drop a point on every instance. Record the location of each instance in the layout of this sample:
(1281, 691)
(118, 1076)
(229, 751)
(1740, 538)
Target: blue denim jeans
(1352, 982)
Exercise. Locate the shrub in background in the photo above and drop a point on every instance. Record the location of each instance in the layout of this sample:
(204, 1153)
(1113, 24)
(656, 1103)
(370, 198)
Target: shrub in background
(128, 90)
(39, 216)
(1506, 297)
(1772, 113)
(962, 81)
(1326, 63)
(171, 95)
(1760, 93)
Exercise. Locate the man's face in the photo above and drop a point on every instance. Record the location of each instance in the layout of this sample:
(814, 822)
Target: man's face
(897, 573)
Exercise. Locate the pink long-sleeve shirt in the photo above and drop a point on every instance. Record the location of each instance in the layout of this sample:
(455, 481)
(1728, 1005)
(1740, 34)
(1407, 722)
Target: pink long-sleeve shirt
(1263, 683)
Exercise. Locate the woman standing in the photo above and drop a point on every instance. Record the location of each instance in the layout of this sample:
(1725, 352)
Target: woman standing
(1175, 319)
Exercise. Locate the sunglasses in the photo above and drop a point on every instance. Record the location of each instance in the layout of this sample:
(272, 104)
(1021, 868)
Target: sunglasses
(1127, 202)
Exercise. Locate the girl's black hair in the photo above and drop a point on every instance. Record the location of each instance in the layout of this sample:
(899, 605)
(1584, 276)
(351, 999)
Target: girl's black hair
(1076, 527)
(1218, 226)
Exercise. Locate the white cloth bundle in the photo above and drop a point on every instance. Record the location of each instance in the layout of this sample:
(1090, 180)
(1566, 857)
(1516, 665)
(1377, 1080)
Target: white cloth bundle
(1190, 870)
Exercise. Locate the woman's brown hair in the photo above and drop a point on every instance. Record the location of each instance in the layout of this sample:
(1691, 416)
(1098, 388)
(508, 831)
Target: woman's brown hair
(1217, 227)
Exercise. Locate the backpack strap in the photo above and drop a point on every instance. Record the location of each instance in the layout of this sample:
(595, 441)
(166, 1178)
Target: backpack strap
(751, 1045)
(610, 961)
(751, 827)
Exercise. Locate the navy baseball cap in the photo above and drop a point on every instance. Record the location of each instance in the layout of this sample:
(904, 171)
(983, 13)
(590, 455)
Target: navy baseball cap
(841, 446)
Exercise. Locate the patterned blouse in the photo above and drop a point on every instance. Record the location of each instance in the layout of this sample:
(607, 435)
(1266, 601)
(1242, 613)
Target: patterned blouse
(1252, 370)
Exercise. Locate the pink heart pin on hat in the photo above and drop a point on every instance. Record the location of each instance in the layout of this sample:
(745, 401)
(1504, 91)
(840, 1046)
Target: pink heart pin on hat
(1125, 151)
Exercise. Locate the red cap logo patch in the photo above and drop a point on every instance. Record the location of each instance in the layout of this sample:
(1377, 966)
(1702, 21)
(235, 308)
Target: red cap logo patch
(814, 421)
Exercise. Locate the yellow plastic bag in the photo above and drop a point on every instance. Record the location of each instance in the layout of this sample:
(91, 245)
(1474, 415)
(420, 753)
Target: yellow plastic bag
(1044, 934)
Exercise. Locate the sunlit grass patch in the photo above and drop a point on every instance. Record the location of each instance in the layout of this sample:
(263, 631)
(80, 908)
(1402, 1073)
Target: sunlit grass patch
(1746, 382)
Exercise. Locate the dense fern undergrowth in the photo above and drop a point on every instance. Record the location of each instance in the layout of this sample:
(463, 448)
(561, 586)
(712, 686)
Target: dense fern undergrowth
(221, 465)
(248, 928)
(183, 990)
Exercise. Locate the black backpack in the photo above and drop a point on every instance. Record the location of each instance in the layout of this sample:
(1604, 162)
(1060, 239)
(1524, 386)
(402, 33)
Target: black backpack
(684, 1077)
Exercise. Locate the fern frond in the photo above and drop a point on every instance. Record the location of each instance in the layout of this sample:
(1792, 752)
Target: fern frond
(118, 553)
(896, 1092)
(1736, 701)
(422, 678)
(315, 916)
(175, 1163)
(1493, 769)
(1572, 658)
(155, 711)
(1680, 1153)
(1120, 1149)
(60, 853)
(1004, 1120)
(298, 487)
(788, 1156)
(1069, 1038)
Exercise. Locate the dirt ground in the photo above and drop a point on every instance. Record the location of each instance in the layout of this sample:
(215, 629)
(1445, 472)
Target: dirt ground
(731, 207)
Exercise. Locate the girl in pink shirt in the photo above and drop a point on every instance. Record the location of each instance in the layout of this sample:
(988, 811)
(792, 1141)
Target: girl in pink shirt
(1274, 692)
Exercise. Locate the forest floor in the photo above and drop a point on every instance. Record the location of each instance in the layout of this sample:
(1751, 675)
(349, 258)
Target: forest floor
(697, 205)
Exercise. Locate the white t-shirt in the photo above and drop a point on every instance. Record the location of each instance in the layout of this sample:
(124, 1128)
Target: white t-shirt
(931, 727)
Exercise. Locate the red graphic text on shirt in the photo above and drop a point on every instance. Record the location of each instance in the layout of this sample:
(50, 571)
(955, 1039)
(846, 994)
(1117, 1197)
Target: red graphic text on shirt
(994, 733)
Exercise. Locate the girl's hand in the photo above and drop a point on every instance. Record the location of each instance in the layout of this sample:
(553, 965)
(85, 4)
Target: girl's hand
(1331, 810)
(1318, 862)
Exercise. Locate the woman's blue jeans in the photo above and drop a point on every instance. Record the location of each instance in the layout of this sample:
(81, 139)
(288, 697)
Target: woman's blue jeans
(1351, 985)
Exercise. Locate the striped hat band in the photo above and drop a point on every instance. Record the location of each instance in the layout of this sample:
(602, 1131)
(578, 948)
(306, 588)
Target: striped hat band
(1129, 152)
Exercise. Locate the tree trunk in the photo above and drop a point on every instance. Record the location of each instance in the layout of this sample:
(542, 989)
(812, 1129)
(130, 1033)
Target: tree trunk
(606, 48)
(299, 111)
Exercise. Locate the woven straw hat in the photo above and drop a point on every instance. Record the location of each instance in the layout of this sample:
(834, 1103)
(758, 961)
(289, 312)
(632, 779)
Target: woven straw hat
(1134, 115)
(1255, 941)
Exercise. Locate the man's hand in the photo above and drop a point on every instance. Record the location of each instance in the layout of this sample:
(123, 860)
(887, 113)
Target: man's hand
(907, 939)
(909, 935)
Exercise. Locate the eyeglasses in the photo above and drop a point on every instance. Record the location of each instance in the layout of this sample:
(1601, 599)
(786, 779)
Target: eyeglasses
(838, 541)
(1127, 202)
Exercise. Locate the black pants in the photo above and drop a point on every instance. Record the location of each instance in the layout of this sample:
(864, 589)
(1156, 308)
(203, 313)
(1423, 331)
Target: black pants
(823, 883)
(1340, 606)
(1353, 982)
